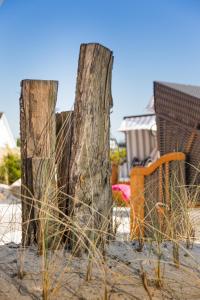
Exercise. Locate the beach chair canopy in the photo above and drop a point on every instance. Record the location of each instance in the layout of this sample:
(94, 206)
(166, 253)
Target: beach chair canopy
(177, 108)
(139, 122)
(140, 137)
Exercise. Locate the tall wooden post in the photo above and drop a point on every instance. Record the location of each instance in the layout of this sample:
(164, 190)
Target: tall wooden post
(90, 164)
(38, 137)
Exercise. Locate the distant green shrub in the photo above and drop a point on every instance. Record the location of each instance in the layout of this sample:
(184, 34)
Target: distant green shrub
(118, 156)
(18, 142)
(10, 168)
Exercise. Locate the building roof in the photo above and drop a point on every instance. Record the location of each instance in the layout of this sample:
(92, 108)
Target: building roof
(192, 90)
(139, 122)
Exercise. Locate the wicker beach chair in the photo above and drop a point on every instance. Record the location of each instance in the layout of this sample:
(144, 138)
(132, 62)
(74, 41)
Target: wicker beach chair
(177, 108)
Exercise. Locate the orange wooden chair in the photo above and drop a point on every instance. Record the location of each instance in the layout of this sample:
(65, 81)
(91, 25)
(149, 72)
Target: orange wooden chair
(141, 176)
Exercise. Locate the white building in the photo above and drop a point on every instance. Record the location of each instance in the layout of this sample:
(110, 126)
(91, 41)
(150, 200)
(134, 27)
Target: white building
(6, 137)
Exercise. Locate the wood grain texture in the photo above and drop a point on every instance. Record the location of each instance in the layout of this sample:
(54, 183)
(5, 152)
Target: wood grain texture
(37, 129)
(90, 164)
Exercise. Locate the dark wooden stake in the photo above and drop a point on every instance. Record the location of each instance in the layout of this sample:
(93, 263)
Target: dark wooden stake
(90, 163)
(64, 127)
(38, 138)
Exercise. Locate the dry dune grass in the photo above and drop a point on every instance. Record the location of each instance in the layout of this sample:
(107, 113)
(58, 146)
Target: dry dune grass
(165, 266)
(123, 270)
(124, 273)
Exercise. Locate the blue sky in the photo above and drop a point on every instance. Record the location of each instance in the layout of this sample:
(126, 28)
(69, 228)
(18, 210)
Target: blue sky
(151, 40)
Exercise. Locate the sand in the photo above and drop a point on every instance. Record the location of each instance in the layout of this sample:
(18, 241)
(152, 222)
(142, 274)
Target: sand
(120, 275)
(124, 273)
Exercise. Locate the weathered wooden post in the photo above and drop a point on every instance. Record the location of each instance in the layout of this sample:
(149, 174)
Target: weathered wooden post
(38, 138)
(64, 127)
(90, 162)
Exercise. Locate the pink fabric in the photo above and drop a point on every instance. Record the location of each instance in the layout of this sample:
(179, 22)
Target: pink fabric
(125, 189)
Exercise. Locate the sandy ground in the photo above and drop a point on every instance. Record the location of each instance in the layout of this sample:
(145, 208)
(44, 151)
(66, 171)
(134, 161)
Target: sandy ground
(123, 275)
(125, 272)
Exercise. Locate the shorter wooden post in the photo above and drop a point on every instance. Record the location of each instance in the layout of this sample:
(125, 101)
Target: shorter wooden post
(64, 130)
(37, 128)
